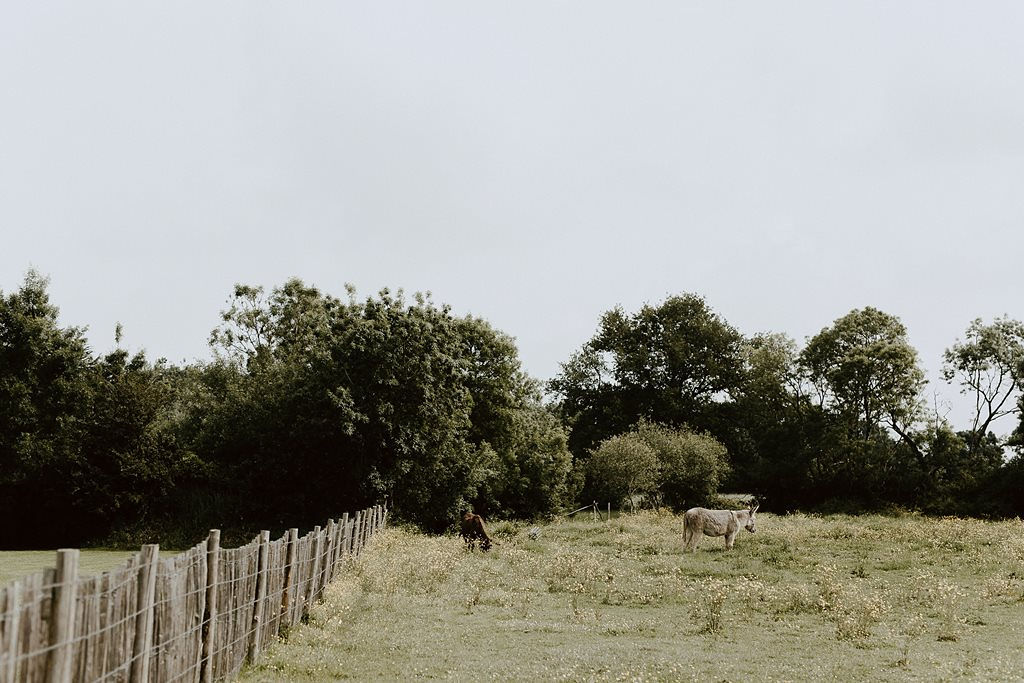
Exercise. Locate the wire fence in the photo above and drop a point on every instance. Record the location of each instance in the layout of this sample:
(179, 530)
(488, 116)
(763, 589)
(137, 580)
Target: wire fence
(195, 617)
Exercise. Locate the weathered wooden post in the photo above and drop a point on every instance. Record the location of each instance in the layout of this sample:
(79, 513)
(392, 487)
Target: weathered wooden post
(62, 617)
(339, 547)
(144, 613)
(329, 555)
(210, 619)
(339, 538)
(288, 594)
(324, 551)
(13, 609)
(261, 597)
(311, 593)
(355, 534)
(346, 535)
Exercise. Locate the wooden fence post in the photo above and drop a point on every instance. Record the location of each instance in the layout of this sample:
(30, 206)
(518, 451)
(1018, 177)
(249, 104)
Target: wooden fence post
(329, 556)
(62, 617)
(289, 579)
(339, 548)
(344, 534)
(338, 535)
(357, 534)
(261, 597)
(210, 619)
(13, 609)
(144, 613)
(311, 592)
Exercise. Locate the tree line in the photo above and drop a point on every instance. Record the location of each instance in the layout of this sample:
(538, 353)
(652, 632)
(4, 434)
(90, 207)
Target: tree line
(314, 403)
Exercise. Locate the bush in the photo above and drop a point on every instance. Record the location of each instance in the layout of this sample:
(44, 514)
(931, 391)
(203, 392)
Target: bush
(624, 468)
(692, 466)
(677, 467)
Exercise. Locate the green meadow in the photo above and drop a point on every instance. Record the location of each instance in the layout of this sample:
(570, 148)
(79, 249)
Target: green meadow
(806, 598)
(17, 563)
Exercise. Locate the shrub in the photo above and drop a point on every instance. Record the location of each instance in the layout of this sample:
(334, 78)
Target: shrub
(692, 465)
(623, 468)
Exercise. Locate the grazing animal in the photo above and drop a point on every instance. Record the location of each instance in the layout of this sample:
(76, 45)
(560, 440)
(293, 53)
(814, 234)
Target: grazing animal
(472, 529)
(699, 522)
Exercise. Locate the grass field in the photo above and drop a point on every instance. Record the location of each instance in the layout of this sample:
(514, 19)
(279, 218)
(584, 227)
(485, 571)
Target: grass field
(806, 598)
(18, 563)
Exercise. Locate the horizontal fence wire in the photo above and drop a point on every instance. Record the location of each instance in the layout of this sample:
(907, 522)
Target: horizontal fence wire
(176, 621)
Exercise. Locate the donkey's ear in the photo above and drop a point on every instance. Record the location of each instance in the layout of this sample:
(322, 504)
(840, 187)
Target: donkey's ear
(754, 509)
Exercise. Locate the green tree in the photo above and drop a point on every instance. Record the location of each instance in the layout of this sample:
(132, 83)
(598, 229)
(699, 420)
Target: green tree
(624, 468)
(355, 400)
(84, 442)
(44, 402)
(535, 465)
(867, 384)
(691, 466)
(672, 363)
(131, 464)
(989, 367)
(865, 370)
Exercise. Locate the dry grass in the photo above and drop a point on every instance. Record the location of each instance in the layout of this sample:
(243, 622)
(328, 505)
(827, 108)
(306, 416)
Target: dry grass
(806, 598)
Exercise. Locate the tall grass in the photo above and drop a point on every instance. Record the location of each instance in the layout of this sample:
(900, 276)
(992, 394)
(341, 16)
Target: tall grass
(806, 598)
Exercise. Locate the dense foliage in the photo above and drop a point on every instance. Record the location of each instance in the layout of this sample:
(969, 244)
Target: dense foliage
(659, 464)
(841, 423)
(315, 404)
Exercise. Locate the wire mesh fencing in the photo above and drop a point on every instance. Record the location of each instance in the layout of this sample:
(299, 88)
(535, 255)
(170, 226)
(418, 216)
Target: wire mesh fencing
(194, 617)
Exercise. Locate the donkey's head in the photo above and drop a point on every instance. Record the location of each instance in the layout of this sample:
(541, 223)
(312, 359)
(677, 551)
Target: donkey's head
(751, 524)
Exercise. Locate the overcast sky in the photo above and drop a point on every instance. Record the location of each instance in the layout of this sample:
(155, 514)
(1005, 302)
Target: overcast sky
(534, 163)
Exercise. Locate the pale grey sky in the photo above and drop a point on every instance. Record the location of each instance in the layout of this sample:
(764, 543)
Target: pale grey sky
(534, 163)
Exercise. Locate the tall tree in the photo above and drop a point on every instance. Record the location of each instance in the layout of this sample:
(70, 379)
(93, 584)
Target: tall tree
(44, 405)
(988, 366)
(864, 369)
(352, 400)
(668, 363)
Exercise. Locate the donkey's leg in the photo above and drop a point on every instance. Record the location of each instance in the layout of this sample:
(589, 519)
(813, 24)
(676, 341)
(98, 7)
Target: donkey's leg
(692, 538)
(730, 538)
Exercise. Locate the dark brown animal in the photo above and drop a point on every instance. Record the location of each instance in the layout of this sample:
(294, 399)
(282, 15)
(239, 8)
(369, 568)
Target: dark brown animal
(472, 529)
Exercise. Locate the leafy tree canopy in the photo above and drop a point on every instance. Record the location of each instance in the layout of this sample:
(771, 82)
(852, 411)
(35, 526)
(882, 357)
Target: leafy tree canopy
(666, 363)
(383, 397)
(865, 369)
(989, 367)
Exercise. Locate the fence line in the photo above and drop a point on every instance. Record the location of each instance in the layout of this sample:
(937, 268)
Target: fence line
(196, 617)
